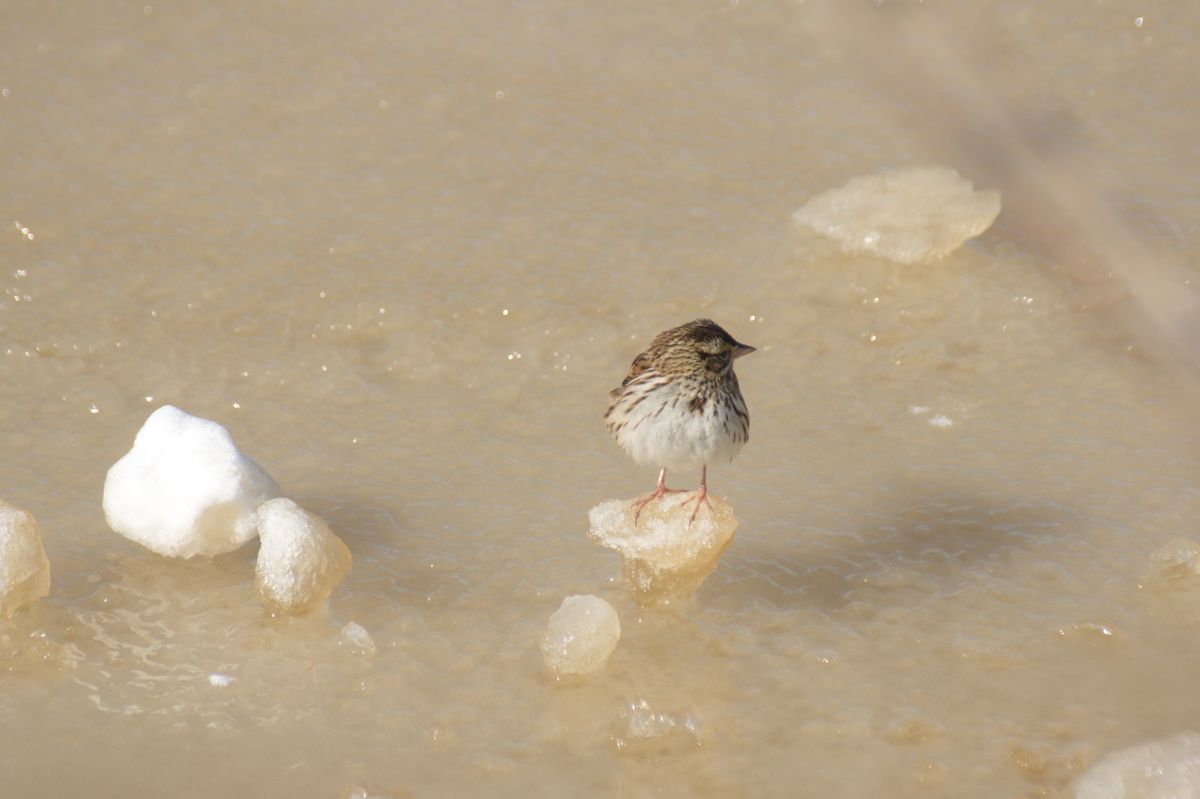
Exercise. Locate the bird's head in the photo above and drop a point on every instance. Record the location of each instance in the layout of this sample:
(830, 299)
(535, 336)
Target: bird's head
(708, 343)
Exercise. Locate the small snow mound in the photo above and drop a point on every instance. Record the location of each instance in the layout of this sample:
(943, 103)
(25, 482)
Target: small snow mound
(220, 680)
(301, 561)
(358, 638)
(1164, 769)
(24, 569)
(581, 635)
(909, 215)
(665, 556)
(184, 489)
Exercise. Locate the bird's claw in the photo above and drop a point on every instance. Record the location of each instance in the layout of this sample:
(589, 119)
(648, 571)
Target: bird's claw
(657, 493)
(700, 498)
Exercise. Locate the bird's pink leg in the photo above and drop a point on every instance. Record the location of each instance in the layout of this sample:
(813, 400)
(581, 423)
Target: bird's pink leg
(658, 493)
(700, 495)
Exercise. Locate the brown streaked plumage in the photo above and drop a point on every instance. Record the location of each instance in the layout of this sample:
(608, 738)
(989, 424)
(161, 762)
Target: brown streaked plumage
(680, 405)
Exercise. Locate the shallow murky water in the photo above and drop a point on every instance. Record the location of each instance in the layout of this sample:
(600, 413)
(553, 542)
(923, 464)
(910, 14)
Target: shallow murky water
(403, 252)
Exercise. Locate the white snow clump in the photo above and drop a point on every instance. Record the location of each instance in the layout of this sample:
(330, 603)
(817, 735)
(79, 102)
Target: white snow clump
(909, 215)
(581, 635)
(184, 489)
(300, 561)
(24, 569)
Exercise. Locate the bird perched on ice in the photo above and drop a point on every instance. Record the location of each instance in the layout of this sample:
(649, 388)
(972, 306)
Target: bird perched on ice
(680, 406)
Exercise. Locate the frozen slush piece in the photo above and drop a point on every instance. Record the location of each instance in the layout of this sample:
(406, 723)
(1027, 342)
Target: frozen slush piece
(300, 561)
(24, 570)
(1176, 559)
(358, 638)
(581, 635)
(641, 728)
(666, 555)
(1163, 769)
(184, 489)
(909, 215)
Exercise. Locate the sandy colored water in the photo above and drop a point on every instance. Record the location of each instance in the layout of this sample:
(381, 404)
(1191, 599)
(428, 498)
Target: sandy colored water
(403, 251)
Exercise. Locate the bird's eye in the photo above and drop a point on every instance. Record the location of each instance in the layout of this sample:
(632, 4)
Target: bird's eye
(715, 363)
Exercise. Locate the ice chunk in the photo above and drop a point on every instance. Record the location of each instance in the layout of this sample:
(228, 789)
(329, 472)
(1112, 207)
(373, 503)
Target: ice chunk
(665, 556)
(581, 635)
(1163, 769)
(640, 727)
(908, 215)
(24, 570)
(300, 561)
(184, 489)
(1177, 559)
(359, 639)
(220, 680)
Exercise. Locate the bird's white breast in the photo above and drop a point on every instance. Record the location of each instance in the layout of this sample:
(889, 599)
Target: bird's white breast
(663, 429)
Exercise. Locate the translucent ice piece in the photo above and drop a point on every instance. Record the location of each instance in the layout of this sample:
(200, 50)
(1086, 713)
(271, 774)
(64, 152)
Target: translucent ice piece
(908, 215)
(1163, 769)
(358, 638)
(300, 561)
(24, 570)
(184, 489)
(639, 727)
(665, 557)
(1177, 559)
(581, 635)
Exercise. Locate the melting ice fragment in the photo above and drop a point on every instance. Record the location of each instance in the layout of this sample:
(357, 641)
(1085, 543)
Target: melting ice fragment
(358, 638)
(909, 215)
(665, 556)
(1177, 559)
(184, 489)
(300, 561)
(24, 569)
(1163, 769)
(581, 635)
(640, 727)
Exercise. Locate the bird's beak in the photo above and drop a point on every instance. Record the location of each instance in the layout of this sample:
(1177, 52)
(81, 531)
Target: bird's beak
(742, 349)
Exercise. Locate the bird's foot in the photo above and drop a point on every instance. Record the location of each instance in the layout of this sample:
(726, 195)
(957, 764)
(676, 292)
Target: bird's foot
(658, 493)
(700, 497)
